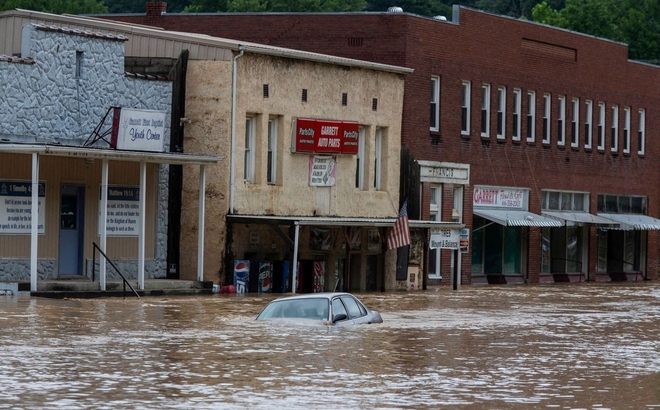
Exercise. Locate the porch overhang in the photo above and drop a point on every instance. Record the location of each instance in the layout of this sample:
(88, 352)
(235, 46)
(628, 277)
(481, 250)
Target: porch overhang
(517, 218)
(335, 221)
(580, 218)
(634, 222)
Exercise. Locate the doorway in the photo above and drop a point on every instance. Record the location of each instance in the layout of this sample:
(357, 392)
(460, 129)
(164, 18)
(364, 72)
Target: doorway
(72, 227)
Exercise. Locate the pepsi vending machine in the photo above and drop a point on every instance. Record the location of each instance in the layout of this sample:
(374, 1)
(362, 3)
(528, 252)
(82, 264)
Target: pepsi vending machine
(265, 277)
(241, 276)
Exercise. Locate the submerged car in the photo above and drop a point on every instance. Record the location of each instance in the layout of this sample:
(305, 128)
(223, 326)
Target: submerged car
(334, 308)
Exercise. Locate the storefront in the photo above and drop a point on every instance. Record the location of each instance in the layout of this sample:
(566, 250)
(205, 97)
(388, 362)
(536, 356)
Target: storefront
(500, 234)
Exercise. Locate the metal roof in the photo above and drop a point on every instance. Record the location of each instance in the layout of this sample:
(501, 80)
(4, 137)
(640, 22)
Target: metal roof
(337, 221)
(634, 222)
(580, 218)
(111, 154)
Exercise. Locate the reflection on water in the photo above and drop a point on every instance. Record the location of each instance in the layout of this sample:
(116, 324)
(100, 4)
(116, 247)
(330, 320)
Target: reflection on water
(560, 346)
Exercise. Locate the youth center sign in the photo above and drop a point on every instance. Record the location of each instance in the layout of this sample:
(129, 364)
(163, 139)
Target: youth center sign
(312, 136)
(16, 207)
(138, 130)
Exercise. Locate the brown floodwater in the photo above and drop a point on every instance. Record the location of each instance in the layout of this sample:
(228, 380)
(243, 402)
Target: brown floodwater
(572, 346)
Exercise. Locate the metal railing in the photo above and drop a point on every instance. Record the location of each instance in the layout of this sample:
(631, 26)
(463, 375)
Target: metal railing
(96, 247)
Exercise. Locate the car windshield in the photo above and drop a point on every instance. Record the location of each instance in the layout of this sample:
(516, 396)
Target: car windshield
(310, 308)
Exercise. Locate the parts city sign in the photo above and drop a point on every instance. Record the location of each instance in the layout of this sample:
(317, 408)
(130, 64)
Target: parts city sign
(312, 136)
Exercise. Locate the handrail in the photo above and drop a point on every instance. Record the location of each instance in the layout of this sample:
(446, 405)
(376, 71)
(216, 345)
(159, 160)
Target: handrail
(113, 265)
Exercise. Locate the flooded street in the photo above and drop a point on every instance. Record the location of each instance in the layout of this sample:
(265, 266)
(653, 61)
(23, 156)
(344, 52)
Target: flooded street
(586, 346)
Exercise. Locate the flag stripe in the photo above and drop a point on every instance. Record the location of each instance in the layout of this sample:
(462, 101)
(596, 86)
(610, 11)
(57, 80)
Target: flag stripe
(400, 234)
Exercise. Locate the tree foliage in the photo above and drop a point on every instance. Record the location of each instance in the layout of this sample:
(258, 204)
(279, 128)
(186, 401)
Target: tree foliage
(56, 6)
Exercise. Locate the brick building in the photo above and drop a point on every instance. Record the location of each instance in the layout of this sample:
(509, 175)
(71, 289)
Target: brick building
(533, 136)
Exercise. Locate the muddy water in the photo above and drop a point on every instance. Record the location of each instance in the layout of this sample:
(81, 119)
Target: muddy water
(588, 346)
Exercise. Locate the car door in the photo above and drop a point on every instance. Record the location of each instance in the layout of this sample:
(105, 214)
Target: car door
(338, 308)
(356, 311)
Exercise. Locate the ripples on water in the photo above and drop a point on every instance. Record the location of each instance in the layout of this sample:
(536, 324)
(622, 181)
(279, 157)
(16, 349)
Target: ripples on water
(586, 346)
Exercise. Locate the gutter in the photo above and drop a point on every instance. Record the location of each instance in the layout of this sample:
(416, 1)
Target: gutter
(232, 172)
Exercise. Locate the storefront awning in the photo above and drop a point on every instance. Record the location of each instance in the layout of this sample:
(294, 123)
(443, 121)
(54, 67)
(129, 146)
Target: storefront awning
(517, 218)
(335, 221)
(580, 218)
(634, 222)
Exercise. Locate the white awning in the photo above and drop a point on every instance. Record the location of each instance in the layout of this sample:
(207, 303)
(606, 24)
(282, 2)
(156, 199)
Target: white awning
(580, 218)
(517, 218)
(634, 222)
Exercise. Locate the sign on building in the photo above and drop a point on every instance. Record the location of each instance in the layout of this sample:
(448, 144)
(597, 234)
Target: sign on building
(312, 136)
(138, 130)
(445, 238)
(16, 207)
(123, 211)
(322, 170)
(495, 197)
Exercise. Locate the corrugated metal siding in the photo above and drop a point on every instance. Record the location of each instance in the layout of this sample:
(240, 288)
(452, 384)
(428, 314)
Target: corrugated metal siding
(56, 171)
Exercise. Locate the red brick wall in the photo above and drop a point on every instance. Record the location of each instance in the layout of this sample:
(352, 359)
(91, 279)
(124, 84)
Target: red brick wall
(485, 48)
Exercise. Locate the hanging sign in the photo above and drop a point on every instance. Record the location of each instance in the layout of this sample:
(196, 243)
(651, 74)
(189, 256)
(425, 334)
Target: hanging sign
(493, 197)
(138, 130)
(322, 171)
(445, 238)
(325, 136)
(123, 211)
(16, 207)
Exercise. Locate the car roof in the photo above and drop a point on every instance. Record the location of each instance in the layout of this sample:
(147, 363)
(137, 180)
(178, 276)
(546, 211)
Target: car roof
(320, 295)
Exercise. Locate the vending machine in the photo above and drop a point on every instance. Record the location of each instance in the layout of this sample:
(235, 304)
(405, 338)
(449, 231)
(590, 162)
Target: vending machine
(241, 275)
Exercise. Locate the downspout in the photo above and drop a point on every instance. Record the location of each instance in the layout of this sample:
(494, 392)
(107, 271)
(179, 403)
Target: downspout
(233, 131)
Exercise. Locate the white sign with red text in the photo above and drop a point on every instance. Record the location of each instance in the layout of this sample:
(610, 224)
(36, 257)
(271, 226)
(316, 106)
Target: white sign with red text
(494, 197)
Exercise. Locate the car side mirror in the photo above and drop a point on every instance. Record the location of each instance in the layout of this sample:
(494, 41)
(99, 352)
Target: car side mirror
(339, 317)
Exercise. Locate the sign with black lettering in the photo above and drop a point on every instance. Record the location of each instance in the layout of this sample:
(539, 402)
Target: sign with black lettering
(445, 238)
(16, 207)
(138, 130)
(123, 211)
(322, 171)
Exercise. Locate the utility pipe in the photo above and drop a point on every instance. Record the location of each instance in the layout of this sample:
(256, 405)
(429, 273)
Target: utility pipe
(232, 172)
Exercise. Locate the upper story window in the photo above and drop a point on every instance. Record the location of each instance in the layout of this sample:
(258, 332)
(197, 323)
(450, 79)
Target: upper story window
(626, 130)
(435, 103)
(271, 172)
(531, 116)
(79, 64)
(575, 121)
(517, 107)
(465, 108)
(622, 204)
(485, 110)
(564, 201)
(601, 125)
(248, 164)
(501, 112)
(359, 158)
(547, 109)
(561, 121)
(378, 158)
(641, 132)
(588, 123)
(615, 128)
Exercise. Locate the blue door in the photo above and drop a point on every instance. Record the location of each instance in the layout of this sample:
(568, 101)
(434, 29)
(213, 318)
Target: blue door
(72, 226)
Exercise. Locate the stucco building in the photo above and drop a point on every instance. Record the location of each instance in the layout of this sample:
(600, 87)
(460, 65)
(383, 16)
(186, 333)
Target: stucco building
(555, 128)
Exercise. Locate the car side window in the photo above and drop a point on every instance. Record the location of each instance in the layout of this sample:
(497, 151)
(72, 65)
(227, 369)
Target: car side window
(353, 307)
(338, 308)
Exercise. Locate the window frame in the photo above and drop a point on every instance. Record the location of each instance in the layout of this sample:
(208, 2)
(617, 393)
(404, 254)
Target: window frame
(588, 123)
(626, 130)
(547, 114)
(575, 122)
(249, 154)
(466, 89)
(435, 214)
(614, 147)
(531, 115)
(378, 158)
(435, 103)
(561, 120)
(516, 114)
(485, 110)
(360, 158)
(271, 164)
(501, 112)
(601, 125)
(641, 132)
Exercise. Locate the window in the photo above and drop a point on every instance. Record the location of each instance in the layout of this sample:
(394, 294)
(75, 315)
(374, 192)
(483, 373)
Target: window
(378, 145)
(564, 201)
(465, 109)
(359, 158)
(531, 116)
(641, 133)
(501, 112)
(485, 110)
(79, 64)
(435, 215)
(248, 165)
(601, 126)
(615, 128)
(517, 102)
(622, 204)
(272, 152)
(588, 121)
(547, 107)
(561, 118)
(626, 130)
(575, 123)
(435, 103)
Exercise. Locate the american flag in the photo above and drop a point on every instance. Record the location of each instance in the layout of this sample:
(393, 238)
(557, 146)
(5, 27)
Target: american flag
(400, 233)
